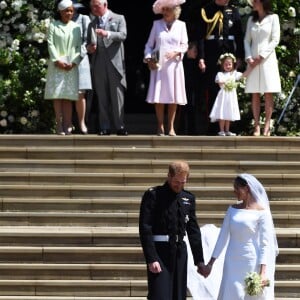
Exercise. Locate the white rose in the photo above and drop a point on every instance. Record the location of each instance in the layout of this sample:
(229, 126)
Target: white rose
(282, 96)
(3, 5)
(282, 129)
(248, 10)
(22, 28)
(23, 120)
(42, 61)
(292, 12)
(34, 113)
(296, 31)
(283, 47)
(15, 44)
(3, 113)
(241, 11)
(3, 123)
(17, 5)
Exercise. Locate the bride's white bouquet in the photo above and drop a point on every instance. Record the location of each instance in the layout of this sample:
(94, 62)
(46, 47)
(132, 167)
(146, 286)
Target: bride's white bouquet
(253, 284)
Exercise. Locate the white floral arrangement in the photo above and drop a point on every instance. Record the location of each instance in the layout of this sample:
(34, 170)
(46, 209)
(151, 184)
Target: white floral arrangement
(230, 85)
(253, 284)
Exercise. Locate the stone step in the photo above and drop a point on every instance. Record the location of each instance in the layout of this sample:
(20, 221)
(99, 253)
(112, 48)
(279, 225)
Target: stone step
(288, 255)
(287, 272)
(96, 288)
(69, 235)
(132, 152)
(69, 207)
(92, 298)
(86, 298)
(147, 166)
(95, 191)
(83, 271)
(91, 140)
(72, 254)
(102, 271)
(137, 179)
(118, 219)
(104, 236)
(101, 254)
(130, 204)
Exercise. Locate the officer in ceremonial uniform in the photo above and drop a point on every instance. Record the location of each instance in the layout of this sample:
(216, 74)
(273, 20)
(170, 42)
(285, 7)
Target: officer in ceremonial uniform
(167, 213)
(219, 30)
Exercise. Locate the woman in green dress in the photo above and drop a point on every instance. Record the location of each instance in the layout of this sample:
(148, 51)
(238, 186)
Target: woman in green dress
(64, 44)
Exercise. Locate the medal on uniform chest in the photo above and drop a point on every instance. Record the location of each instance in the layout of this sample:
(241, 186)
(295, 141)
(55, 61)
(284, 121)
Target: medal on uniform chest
(186, 219)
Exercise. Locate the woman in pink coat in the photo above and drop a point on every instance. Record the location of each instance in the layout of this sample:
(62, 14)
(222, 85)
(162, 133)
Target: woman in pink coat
(164, 50)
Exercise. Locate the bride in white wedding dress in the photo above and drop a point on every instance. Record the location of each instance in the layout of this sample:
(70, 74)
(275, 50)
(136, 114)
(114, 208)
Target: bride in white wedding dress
(248, 238)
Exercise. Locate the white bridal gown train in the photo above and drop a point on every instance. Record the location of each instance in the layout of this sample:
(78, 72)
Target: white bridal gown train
(205, 288)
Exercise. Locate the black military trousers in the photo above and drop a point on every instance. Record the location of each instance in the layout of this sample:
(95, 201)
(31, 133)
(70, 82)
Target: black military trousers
(171, 283)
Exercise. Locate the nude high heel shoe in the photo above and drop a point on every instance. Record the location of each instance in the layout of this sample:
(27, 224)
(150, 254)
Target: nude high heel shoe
(83, 129)
(160, 131)
(267, 132)
(256, 131)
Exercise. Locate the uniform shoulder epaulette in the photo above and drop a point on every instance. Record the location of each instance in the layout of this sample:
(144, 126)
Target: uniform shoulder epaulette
(153, 189)
(188, 192)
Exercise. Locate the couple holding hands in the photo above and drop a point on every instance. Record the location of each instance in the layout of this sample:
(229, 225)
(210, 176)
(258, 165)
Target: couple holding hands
(211, 263)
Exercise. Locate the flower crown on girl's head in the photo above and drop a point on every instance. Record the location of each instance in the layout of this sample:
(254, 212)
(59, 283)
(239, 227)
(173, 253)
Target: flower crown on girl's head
(224, 56)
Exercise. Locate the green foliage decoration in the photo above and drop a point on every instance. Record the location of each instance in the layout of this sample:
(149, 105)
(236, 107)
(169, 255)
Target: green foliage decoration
(23, 64)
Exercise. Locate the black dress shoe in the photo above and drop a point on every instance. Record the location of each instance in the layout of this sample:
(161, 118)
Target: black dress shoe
(122, 131)
(104, 132)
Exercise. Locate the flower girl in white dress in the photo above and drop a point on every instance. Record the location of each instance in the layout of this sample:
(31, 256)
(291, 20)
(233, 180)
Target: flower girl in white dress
(226, 107)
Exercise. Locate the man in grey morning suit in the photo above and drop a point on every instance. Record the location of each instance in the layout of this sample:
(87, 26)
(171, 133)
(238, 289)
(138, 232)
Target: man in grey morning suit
(106, 34)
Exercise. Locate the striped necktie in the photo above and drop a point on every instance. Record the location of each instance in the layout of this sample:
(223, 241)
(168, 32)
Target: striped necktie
(101, 23)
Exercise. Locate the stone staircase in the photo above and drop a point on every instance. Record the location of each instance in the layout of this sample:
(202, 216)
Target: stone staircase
(69, 207)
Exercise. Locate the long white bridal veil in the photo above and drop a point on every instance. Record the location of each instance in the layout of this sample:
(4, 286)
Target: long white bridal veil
(205, 288)
(261, 197)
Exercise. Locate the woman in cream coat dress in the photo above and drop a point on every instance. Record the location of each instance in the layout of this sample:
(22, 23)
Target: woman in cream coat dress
(261, 38)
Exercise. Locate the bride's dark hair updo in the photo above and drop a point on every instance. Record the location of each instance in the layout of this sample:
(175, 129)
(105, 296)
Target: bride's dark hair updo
(240, 182)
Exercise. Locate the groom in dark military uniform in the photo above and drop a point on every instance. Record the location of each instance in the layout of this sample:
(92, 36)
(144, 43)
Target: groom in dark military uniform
(218, 30)
(167, 213)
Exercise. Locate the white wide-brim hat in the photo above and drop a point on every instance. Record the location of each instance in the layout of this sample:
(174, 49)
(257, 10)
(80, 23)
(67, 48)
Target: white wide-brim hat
(159, 4)
(250, 2)
(64, 4)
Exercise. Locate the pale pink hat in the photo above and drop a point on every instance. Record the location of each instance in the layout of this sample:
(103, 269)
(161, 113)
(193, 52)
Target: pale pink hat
(159, 4)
